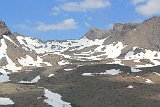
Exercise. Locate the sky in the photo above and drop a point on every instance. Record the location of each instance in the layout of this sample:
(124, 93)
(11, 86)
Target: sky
(71, 19)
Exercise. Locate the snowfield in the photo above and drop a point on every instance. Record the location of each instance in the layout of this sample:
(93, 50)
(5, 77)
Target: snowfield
(29, 61)
(6, 101)
(113, 71)
(54, 99)
(4, 76)
(135, 69)
(108, 72)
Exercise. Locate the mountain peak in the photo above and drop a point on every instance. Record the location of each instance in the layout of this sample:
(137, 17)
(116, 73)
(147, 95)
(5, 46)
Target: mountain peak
(4, 30)
(95, 33)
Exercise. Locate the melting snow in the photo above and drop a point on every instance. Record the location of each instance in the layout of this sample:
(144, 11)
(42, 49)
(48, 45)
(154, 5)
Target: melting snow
(32, 44)
(137, 60)
(6, 101)
(88, 74)
(156, 73)
(108, 72)
(154, 61)
(35, 80)
(4, 76)
(29, 61)
(69, 69)
(6, 37)
(51, 75)
(3, 53)
(143, 66)
(56, 46)
(149, 81)
(135, 70)
(130, 86)
(112, 50)
(113, 72)
(147, 55)
(54, 99)
(63, 62)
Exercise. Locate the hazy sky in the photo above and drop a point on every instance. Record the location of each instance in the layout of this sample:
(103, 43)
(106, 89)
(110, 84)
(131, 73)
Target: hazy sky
(71, 19)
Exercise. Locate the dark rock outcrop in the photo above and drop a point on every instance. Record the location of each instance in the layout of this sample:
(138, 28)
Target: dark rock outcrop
(4, 29)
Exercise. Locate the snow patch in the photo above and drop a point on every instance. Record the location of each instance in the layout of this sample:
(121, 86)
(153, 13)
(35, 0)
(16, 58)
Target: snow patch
(112, 50)
(130, 86)
(108, 72)
(135, 69)
(156, 73)
(148, 54)
(51, 75)
(69, 69)
(6, 101)
(4, 76)
(6, 37)
(88, 74)
(63, 62)
(113, 71)
(56, 46)
(29, 61)
(54, 99)
(149, 81)
(10, 66)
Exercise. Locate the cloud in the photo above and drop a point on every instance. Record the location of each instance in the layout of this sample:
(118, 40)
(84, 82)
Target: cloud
(66, 24)
(87, 24)
(135, 2)
(147, 7)
(84, 5)
(21, 26)
(55, 11)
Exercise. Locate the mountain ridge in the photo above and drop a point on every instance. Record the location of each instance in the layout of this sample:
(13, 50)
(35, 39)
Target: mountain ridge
(118, 67)
(97, 44)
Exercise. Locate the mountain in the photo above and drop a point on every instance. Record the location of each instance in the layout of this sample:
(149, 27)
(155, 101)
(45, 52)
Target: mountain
(83, 70)
(4, 29)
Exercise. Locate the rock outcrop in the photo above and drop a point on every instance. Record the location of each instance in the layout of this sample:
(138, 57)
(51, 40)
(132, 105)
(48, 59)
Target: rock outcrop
(145, 35)
(4, 29)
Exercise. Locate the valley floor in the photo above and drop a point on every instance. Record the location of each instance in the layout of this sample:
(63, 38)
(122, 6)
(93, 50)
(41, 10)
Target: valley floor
(72, 88)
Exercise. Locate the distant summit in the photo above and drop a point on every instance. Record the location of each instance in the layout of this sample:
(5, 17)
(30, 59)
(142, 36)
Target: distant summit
(145, 35)
(95, 33)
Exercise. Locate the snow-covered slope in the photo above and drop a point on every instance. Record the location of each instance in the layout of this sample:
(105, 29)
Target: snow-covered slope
(85, 49)
(19, 51)
(22, 58)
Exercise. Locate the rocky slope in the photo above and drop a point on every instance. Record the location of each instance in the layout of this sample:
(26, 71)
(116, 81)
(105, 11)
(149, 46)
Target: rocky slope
(119, 63)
